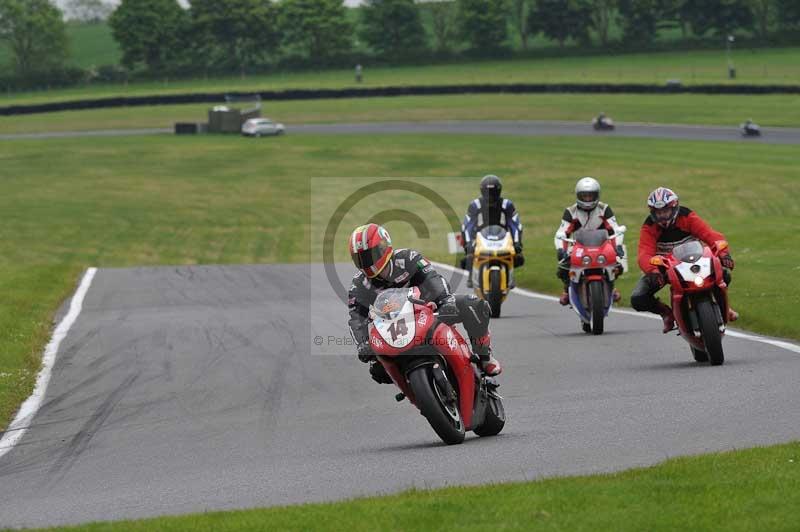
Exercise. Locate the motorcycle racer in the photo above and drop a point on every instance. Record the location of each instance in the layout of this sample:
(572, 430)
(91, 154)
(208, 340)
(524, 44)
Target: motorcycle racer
(380, 267)
(669, 225)
(588, 212)
(490, 209)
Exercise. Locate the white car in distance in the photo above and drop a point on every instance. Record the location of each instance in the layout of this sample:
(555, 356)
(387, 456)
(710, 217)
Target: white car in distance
(260, 127)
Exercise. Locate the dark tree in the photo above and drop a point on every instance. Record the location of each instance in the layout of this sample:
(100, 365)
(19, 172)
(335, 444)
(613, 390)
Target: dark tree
(602, 12)
(443, 23)
(244, 31)
(148, 32)
(35, 33)
(788, 12)
(393, 28)
(721, 17)
(561, 19)
(520, 12)
(482, 24)
(317, 28)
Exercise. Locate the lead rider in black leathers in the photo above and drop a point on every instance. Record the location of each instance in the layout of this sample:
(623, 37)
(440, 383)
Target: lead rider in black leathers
(408, 268)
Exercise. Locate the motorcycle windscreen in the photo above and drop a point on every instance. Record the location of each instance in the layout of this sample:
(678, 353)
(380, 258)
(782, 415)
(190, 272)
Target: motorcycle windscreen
(493, 232)
(591, 238)
(393, 317)
(690, 251)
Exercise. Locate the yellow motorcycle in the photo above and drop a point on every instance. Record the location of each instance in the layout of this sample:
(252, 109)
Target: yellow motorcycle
(493, 266)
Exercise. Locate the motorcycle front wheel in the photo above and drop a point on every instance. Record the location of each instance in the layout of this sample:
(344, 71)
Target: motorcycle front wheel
(495, 296)
(495, 418)
(442, 414)
(598, 305)
(699, 356)
(709, 330)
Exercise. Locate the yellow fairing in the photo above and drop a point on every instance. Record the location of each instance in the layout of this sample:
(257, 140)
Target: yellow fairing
(491, 253)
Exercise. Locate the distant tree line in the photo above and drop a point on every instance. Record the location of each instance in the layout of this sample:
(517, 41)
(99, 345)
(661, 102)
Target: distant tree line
(160, 38)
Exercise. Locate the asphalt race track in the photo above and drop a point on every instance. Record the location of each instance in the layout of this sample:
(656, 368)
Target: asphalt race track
(461, 127)
(189, 389)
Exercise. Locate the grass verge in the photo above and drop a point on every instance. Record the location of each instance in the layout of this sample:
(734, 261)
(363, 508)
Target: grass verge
(73, 203)
(755, 489)
(758, 66)
(775, 110)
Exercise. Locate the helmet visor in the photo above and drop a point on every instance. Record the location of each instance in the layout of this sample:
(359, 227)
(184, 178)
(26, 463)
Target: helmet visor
(663, 215)
(366, 259)
(588, 196)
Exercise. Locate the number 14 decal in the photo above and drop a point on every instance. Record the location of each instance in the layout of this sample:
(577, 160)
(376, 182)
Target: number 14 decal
(398, 328)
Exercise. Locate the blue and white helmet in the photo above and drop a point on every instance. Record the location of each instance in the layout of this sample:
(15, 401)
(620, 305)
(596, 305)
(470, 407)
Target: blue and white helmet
(664, 205)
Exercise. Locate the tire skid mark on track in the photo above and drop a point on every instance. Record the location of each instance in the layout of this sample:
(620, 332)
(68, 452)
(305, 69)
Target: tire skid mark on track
(30, 407)
(81, 440)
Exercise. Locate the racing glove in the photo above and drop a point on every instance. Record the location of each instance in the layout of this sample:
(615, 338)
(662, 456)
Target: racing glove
(448, 310)
(726, 260)
(365, 353)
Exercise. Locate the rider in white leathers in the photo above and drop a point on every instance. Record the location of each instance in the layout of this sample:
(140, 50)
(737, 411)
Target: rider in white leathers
(588, 212)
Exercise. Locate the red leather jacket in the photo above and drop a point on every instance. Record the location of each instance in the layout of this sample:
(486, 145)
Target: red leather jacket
(655, 240)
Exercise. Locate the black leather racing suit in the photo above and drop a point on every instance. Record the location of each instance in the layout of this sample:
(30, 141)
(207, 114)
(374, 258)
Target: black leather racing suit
(409, 268)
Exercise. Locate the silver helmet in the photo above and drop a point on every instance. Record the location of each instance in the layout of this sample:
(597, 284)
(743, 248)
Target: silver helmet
(587, 191)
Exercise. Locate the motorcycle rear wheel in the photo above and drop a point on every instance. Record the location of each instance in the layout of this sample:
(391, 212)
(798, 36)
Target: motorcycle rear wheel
(709, 330)
(444, 419)
(598, 307)
(495, 418)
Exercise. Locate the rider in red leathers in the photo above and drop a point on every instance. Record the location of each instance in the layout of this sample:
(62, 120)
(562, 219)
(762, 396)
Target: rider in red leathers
(667, 226)
(381, 267)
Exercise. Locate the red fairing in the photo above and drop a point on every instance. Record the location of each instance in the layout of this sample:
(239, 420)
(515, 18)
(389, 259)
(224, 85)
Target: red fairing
(455, 350)
(424, 318)
(608, 250)
(679, 291)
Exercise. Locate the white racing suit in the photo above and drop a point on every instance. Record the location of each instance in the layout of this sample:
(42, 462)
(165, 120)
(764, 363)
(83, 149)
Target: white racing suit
(574, 218)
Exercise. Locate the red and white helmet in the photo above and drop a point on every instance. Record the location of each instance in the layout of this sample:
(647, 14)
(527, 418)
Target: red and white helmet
(371, 249)
(663, 204)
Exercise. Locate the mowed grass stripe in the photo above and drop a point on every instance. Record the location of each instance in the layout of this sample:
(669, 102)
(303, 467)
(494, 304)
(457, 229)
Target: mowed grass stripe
(761, 66)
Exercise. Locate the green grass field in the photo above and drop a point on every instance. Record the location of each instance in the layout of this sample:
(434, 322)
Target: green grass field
(783, 110)
(73, 203)
(758, 66)
(756, 489)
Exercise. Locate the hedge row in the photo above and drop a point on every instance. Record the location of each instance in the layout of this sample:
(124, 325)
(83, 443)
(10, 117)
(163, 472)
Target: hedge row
(319, 94)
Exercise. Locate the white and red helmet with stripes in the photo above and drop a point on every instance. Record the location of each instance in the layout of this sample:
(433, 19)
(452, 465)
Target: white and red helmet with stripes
(371, 249)
(664, 206)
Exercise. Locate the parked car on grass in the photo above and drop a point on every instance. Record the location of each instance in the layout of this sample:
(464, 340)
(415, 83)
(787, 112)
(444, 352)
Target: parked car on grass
(260, 127)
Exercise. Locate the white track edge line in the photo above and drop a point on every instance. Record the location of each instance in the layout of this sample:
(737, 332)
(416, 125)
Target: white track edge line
(28, 410)
(782, 344)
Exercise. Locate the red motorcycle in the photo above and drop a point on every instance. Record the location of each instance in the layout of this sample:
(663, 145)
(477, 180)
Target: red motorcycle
(434, 367)
(699, 298)
(594, 266)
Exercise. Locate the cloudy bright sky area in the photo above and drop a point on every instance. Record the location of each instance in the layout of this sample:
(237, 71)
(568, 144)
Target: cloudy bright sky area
(185, 3)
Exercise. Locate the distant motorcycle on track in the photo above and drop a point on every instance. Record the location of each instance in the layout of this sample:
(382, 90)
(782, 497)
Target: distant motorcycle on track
(750, 129)
(603, 123)
(434, 367)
